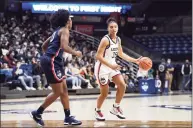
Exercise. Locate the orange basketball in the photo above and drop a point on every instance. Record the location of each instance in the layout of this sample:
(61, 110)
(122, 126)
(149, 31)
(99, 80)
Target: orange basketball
(145, 63)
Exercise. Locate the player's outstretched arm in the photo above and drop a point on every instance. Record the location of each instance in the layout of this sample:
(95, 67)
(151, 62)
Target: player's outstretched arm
(125, 56)
(45, 44)
(64, 39)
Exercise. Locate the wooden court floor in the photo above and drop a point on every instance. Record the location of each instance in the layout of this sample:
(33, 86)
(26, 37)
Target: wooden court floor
(109, 123)
(168, 111)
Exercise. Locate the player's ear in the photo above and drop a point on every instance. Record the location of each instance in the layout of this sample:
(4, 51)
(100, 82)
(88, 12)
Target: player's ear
(69, 20)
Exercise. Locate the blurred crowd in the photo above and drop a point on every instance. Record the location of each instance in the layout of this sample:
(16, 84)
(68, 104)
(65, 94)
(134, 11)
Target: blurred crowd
(21, 39)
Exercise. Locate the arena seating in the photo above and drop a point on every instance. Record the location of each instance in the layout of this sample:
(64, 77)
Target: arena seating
(167, 43)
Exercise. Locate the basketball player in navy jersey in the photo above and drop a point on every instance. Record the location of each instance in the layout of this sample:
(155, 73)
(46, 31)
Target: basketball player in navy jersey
(52, 65)
(106, 69)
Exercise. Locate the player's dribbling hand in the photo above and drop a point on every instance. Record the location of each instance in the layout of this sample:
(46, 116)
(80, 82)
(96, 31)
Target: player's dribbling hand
(79, 53)
(137, 60)
(116, 67)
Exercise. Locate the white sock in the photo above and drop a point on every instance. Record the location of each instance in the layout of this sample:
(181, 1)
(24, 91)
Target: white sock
(116, 104)
(97, 109)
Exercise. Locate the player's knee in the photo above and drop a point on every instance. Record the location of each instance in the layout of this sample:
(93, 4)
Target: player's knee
(122, 85)
(59, 93)
(64, 94)
(104, 94)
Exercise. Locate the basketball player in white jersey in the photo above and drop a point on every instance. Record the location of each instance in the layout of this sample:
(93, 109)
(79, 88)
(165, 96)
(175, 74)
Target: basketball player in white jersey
(106, 69)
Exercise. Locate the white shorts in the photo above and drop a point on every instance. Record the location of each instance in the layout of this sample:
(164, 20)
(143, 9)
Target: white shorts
(104, 74)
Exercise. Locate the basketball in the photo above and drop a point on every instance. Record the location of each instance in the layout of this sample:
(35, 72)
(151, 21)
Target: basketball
(145, 63)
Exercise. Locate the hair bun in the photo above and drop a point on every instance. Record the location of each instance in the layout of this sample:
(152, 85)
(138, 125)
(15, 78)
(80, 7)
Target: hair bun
(111, 19)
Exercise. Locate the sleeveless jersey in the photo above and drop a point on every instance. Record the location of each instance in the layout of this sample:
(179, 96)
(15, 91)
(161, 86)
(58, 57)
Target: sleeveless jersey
(111, 51)
(54, 49)
(103, 73)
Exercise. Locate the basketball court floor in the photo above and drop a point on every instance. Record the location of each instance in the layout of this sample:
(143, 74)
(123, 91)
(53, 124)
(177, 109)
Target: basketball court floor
(141, 111)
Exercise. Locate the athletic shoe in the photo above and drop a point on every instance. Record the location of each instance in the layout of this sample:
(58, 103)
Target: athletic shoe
(37, 118)
(71, 121)
(118, 112)
(99, 116)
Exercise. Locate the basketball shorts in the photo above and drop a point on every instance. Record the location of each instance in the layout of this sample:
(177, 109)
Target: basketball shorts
(53, 70)
(104, 74)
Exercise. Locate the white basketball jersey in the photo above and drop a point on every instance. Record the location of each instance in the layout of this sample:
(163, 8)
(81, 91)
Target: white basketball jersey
(102, 72)
(111, 51)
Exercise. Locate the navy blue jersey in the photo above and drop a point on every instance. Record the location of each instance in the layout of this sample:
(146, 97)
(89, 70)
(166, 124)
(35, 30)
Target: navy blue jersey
(54, 49)
(52, 61)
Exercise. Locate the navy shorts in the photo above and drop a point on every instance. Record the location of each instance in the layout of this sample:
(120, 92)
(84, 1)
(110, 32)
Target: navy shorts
(53, 69)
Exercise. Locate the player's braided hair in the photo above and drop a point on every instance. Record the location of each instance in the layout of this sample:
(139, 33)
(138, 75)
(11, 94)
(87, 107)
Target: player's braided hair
(59, 18)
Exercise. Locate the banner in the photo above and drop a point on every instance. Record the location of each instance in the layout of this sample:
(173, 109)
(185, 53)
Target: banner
(147, 86)
(103, 9)
(152, 86)
(90, 19)
(86, 29)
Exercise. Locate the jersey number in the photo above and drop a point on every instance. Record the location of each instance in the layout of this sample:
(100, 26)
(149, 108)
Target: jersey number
(53, 35)
(115, 54)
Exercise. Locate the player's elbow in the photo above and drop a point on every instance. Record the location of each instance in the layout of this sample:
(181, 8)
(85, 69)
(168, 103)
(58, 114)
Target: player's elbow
(98, 57)
(43, 48)
(65, 47)
(120, 54)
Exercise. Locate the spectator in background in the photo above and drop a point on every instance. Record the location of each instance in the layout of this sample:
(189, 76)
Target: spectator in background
(126, 70)
(71, 77)
(186, 71)
(7, 71)
(161, 74)
(1, 58)
(23, 49)
(129, 82)
(9, 58)
(9, 79)
(170, 70)
(20, 75)
(67, 57)
(90, 76)
(84, 61)
(36, 73)
(76, 71)
(126, 78)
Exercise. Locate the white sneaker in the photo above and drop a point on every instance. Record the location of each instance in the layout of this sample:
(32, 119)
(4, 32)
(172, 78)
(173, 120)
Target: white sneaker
(74, 87)
(18, 88)
(118, 112)
(32, 88)
(78, 87)
(99, 116)
(27, 88)
(39, 88)
(49, 88)
(90, 86)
